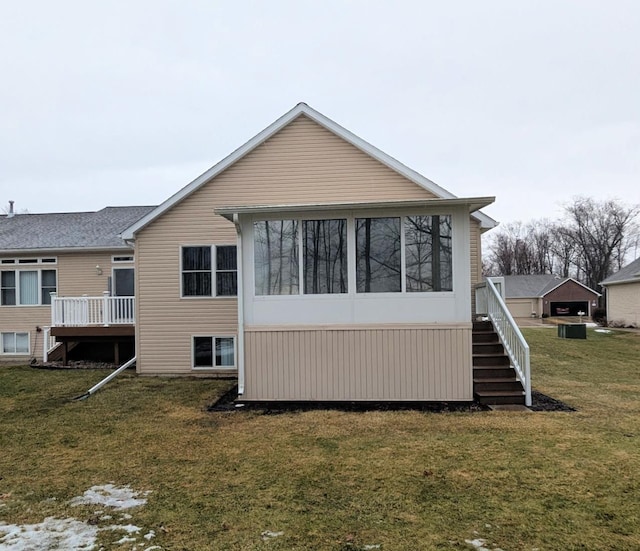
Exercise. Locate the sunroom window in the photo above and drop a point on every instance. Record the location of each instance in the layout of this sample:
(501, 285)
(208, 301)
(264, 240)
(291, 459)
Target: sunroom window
(325, 256)
(378, 255)
(428, 256)
(276, 257)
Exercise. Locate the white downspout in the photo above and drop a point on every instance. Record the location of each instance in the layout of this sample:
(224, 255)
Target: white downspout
(236, 221)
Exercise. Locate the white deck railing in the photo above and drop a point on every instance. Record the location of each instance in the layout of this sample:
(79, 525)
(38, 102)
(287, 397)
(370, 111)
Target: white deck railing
(489, 302)
(48, 343)
(92, 311)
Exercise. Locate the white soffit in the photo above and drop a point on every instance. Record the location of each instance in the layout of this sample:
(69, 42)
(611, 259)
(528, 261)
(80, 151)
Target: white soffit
(472, 203)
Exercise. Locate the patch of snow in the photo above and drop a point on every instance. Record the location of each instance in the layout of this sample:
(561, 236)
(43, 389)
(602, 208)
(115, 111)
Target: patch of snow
(125, 539)
(106, 517)
(478, 544)
(268, 534)
(126, 516)
(372, 546)
(110, 496)
(51, 533)
(150, 535)
(129, 528)
(602, 331)
(153, 548)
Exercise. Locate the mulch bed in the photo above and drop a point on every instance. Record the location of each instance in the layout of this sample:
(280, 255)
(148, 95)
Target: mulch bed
(541, 402)
(78, 364)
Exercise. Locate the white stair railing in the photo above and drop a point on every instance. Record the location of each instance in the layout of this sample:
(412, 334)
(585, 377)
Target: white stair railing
(489, 302)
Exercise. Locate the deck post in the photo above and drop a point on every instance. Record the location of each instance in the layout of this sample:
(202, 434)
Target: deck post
(105, 308)
(53, 308)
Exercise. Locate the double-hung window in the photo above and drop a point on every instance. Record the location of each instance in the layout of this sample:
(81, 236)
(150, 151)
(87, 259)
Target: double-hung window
(209, 271)
(14, 343)
(27, 287)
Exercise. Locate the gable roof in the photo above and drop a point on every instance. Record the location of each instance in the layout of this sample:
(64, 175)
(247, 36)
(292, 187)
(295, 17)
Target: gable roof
(486, 222)
(628, 274)
(536, 286)
(70, 230)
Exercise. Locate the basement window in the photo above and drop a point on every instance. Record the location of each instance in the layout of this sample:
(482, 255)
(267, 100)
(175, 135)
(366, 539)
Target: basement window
(15, 343)
(214, 352)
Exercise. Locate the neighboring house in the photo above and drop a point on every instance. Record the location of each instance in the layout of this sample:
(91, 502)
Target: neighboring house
(549, 295)
(353, 274)
(71, 255)
(623, 295)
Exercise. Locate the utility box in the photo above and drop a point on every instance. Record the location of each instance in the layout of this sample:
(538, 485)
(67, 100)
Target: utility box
(572, 331)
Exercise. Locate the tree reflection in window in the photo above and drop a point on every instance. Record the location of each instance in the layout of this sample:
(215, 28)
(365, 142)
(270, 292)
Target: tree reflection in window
(378, 255)
(325, 256)
(276, 257)
(428, 253)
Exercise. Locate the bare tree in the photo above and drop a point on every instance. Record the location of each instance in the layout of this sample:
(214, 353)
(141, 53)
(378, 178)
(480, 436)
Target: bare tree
(600, 232)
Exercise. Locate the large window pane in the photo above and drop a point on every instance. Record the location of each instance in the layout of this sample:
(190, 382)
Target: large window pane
(276, 257)
(428, 253)
(8, 343)
(325, 256)
(22, 343)
(225, 352)
(8, 288)
(378, 255)
(203, 352)
(226, 271)
(196, 271)
(48, 285)
(28, 287)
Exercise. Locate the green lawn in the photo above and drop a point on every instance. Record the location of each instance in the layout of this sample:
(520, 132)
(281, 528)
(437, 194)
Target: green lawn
(336, 480)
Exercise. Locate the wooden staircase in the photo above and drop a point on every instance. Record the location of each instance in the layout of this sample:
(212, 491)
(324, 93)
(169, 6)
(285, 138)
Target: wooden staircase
(494, 380)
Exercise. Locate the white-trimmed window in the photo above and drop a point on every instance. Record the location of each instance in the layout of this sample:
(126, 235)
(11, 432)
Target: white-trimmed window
(393, 254)
(27, 287)
(209, 270)
(14, 343)
(209, 352)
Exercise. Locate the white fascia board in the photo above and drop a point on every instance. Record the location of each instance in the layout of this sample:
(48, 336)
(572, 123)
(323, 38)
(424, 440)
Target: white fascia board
(473, 203)
(300, 109)
(633, 279)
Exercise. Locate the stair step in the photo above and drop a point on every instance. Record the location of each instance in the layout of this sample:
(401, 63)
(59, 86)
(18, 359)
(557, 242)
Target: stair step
(501, 384)
(492, 371)
(500, 397)
(490, 360)
(482, 326)
(484, 336)
(488, 348)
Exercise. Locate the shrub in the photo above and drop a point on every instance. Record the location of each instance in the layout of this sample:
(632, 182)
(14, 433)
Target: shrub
(599, 316)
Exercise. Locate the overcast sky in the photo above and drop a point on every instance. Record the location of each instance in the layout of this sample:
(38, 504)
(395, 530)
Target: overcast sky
(125, 102)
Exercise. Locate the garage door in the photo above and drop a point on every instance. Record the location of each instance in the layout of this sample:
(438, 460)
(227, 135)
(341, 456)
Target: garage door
(569, 308)
(519, 308)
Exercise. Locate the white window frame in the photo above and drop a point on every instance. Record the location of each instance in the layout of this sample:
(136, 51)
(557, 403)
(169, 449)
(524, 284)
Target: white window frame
(29, 261)
(214, 273)
(213, 353)
(29, 268)
(351, 255)
(15, 333)
(122, 259)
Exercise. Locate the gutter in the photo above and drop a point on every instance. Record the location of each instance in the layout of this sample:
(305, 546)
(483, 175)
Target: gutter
(236, 221)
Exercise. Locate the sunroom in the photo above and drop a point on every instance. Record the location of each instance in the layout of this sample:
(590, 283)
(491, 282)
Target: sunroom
(355, 301)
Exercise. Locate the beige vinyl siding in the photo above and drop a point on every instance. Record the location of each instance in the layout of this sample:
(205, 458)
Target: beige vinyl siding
(623, 303)
(403, 364)
(76, 276)
(167, 322)
(475, 241)
(303, 163)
